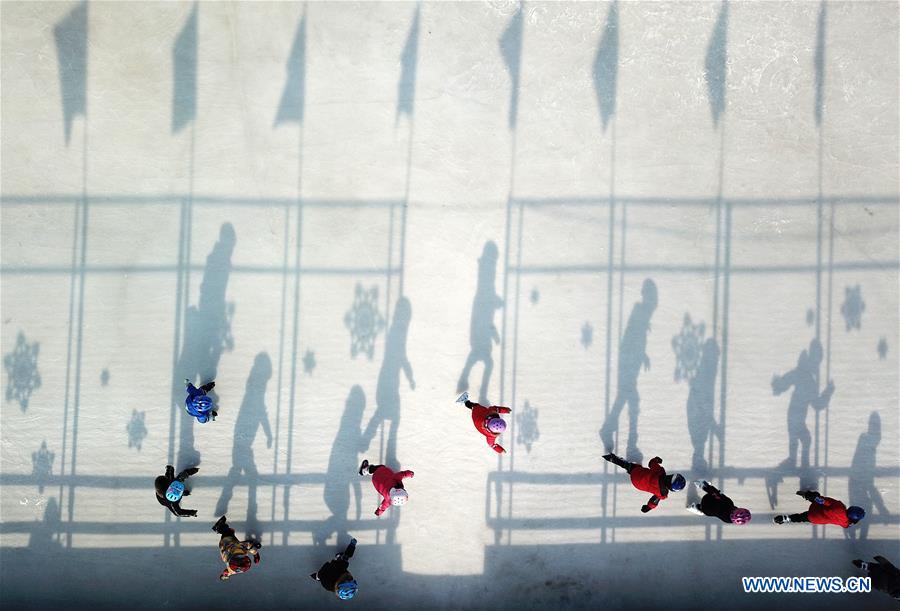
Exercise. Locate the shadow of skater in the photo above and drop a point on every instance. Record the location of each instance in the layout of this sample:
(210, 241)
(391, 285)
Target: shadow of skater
(252, 414)
(804, 379)
(632, 355)
(482, 333)
(387, 392)
(207, 333)
(339, 478)
(861, 483)
(700, 404)
(41, 538)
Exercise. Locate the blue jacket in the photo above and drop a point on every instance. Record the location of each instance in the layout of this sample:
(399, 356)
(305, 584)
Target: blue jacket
(198, 404)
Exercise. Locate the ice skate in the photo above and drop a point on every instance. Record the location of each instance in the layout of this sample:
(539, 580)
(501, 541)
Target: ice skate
(861, 564)
(701, 484)
(363, 466)
(782, 519)
(314, 576)
(694, 508)
(463, 397)
(219, 524)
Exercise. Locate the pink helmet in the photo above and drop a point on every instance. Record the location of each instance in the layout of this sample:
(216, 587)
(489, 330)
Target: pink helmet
(739, 515)
(496, 425)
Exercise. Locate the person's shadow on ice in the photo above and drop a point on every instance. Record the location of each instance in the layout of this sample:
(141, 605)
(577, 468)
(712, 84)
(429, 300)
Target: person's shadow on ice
(482, 332)
(861, 483)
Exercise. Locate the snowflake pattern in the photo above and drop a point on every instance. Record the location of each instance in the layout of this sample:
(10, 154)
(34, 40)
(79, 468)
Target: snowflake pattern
(309, 362)
(21, 370)
(42, 465)
(587, 335)
(364, 321)
(136, 429)
(882, 349)
(853, 307)
(687, 346)
(527, 428)
(535, 296)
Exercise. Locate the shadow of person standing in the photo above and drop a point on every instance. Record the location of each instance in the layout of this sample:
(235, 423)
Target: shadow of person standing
(207, 332)
(700, 403)
(805, 380)
(387, 392)
(861, 482)
(251, 415)
(42, 536)
(632, 355)
(342, 463)
(482, 332)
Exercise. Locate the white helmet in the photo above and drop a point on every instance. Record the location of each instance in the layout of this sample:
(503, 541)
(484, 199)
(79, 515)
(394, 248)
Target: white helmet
(398, 496)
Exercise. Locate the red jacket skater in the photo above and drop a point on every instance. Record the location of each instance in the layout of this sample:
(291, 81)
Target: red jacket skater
(480, 416)
(652, 479)
(832, 511)
(384, 479)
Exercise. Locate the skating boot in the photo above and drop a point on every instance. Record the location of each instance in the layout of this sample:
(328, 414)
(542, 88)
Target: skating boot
(695, 509)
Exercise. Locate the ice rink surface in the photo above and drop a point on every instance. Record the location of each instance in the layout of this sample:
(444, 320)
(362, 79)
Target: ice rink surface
(346, 213)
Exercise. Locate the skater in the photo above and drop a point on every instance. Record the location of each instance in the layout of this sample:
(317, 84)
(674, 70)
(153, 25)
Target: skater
(170, 490)
(632, 355)
(487, 420)
(885, 576)
(388, 484)
(805, 380)
(717, 505)
(334, 576)
(824, 510)
(652, 479)
(235, 554)
(198, 404)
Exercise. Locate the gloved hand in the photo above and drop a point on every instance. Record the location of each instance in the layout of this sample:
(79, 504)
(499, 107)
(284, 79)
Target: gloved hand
(378, 511)
(498, 449)
(645, 508)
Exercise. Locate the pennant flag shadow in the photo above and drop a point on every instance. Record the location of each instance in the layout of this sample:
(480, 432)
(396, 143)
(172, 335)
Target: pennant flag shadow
(70, 35)
(606, 66)
(406, 87)
(290, 109)
(511, 49)
(184, 65)
(716, 64)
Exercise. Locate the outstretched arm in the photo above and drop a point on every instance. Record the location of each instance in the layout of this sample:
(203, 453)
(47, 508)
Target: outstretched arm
(407, 370)
(782, 383)
(267, 429)
(651, 504)
(180, 512)
(500, 409)
(385, 503)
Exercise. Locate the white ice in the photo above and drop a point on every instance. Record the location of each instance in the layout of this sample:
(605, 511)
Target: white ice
(742, 156)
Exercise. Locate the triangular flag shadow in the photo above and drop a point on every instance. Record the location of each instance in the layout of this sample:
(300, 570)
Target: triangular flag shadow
(819, 64)
(716, 63)
(290, 109)
(406, 87)
(511, 48)
(606, 66)
(184, 80)
(71, 51)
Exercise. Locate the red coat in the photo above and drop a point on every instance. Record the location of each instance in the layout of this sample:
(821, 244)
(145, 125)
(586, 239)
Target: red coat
(651, 479)
(384, 479)
(480, 416)
(831, 512)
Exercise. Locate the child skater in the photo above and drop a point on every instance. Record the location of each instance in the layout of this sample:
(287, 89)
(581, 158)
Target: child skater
(824, 510)
(334, 576)
(235, 554)
(487, 421)
(717, 505)
(388, 484)
(198, 404)
(652, 479)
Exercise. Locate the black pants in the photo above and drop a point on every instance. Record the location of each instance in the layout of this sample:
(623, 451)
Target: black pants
(373, 468)
(628, 466)
(208, 386)
(347, 554)
(800, 517)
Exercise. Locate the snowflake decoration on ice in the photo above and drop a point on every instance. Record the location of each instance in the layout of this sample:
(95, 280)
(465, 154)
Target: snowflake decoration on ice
(587, 335)
(21, 371)
(364, 321)
(687, 345)
(309, 362)
(853, 307)
(810, 317)
(42, 465)
(527, 427)
(104, 377)
(136, 429)
(882, 349)
(535, 296)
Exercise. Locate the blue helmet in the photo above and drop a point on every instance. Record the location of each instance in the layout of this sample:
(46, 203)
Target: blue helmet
(855, 514)
(175, 491)
(677, 482)
(347, 589)
(202, 403)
